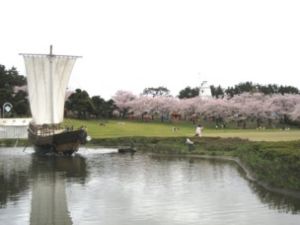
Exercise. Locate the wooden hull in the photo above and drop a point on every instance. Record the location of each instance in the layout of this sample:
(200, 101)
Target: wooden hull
(65, 143)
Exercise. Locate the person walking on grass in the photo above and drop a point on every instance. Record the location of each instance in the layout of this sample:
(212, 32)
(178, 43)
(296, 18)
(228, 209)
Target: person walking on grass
(198, 131)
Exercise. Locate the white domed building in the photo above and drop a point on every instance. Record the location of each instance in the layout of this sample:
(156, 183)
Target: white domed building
(204, 90)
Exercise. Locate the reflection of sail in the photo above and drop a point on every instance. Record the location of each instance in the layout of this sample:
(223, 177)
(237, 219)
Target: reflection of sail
(49, 203)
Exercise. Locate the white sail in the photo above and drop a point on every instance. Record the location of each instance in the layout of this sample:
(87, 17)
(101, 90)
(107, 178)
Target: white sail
(47, 80)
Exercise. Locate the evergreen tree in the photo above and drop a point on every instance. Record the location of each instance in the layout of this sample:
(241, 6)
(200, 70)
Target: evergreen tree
(216, 92)
(188, 92)
(159, 91)
(10, 78)
(80, 104)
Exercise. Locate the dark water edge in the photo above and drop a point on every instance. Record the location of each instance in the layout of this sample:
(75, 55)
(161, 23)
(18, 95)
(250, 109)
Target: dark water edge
(248, 173)
(100, 186)
(274, 164)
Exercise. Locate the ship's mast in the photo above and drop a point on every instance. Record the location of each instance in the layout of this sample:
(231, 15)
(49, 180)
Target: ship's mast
(51, 82)
(51, 48)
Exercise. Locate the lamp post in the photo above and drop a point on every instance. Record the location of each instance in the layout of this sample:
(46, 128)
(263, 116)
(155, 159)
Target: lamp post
(6, 108)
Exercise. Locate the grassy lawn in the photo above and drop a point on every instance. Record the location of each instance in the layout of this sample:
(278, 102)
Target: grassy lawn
(119, 128)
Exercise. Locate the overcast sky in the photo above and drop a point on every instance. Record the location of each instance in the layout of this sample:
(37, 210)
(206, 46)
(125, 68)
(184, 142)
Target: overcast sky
(133, 44)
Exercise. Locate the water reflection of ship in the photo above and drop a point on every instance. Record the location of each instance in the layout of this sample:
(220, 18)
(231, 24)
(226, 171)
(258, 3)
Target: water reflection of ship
(71, 167)
(45, 176)
(49, 201)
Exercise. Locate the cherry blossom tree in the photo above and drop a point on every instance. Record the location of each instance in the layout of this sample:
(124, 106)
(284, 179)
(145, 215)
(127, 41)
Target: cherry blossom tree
(250, 107)
(254, 108)
(122, 100)
(283, 106)
(295, 114)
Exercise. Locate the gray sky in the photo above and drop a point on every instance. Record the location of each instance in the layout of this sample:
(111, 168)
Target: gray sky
(133, 44)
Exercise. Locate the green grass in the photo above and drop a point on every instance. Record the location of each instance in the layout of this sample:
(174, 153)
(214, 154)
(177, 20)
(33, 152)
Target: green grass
(255, 135)
(120, 128)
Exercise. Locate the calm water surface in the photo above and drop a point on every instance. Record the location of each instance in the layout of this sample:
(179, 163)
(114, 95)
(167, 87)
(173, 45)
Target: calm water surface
(100, 186)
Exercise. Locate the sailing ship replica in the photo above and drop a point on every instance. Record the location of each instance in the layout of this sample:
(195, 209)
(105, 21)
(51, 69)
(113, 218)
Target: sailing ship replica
(47, 79)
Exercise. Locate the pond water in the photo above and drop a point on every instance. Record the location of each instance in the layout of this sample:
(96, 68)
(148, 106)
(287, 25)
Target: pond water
(100, 186)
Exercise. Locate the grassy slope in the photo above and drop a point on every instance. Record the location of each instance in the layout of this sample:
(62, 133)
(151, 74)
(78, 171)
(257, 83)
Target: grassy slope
(116, 128)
